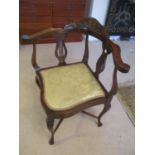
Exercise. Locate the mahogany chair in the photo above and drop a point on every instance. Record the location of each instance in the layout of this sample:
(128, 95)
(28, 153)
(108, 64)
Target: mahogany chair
(67, 89)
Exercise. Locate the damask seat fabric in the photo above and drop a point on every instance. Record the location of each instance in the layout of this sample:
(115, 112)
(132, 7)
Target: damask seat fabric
(68, 86)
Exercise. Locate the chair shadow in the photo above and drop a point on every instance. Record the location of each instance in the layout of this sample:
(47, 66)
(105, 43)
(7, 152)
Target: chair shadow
(78, 126)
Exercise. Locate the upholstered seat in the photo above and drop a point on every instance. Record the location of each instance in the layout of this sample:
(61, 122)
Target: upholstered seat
(68, 86)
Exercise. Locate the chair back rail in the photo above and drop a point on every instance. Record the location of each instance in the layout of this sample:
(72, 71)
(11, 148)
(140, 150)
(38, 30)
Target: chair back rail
(87, 26)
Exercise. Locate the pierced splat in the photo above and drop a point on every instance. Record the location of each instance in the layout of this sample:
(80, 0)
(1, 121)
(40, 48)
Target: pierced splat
(100, 65)
(61, 52)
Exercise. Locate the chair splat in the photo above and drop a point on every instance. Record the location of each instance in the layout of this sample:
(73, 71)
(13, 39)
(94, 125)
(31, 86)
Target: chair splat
(61, 52)
(100, 65)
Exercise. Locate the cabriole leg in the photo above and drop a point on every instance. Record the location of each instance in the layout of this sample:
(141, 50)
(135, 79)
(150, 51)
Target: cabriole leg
(50, 126)
(105, 109)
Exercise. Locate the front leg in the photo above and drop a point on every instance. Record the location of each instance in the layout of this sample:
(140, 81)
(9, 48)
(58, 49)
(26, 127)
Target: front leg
(107, 106)
(50, 126)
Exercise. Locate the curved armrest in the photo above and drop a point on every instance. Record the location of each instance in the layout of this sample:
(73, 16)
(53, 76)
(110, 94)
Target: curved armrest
(41, 34)
(116, 52)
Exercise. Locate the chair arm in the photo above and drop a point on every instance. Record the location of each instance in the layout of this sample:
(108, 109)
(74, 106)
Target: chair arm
(119, 64)
(41, 34)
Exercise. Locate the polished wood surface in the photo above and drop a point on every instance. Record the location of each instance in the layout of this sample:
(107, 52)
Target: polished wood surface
(37, 15)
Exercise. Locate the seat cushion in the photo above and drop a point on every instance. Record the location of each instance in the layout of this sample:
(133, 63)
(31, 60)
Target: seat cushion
(68, 86)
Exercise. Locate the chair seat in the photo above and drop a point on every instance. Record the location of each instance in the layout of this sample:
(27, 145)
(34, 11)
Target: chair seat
(68, 86)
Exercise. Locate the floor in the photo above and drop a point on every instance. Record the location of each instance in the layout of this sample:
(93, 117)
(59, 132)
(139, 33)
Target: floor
(78, 135)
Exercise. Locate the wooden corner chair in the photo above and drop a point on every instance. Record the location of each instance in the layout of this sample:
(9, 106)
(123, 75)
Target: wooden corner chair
(67, 89)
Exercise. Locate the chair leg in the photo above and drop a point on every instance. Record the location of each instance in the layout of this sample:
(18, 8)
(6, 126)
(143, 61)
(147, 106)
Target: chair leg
(105, 109)
(50, 126)
(52, 137)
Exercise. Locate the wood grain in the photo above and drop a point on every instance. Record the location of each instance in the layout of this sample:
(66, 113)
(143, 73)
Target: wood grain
(38, 15)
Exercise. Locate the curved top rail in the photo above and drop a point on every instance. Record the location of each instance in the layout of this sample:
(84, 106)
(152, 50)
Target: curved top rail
(88, 26)
(45, 33)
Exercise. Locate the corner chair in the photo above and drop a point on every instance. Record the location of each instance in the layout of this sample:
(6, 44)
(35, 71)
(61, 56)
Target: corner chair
(67, 89)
